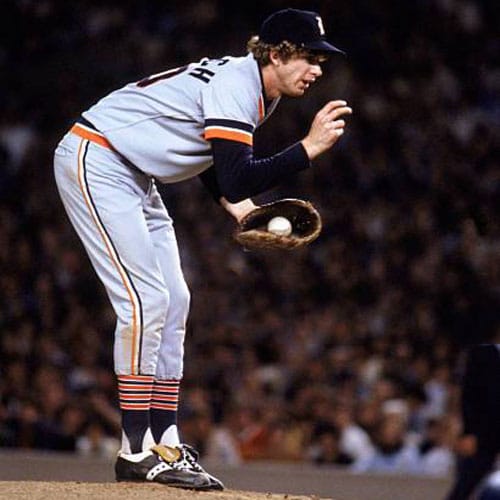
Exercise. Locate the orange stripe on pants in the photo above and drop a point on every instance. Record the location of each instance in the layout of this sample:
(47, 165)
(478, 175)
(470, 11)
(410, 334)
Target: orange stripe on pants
(84, 189)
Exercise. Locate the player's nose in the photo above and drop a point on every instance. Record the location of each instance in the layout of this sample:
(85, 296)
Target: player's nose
(316, 70)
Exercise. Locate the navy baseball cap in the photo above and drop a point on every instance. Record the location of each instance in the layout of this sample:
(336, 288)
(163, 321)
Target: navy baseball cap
(300, 27)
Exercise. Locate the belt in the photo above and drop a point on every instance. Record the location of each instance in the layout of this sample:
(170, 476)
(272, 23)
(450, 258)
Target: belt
(84, 129)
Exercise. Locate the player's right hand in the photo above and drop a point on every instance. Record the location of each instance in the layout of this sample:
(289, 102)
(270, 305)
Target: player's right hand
(326, 128)
(238, 210)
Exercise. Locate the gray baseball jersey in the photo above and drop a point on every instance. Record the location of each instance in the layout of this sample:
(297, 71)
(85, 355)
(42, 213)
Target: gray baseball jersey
(162, 123)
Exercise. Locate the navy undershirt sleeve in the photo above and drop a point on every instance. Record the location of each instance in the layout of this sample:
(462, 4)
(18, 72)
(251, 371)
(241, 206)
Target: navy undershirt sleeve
(209, 179)
(238, 175)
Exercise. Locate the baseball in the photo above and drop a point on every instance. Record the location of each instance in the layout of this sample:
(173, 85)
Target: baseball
(280, 226)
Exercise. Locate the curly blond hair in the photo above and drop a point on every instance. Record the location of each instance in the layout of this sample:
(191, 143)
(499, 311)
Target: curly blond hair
(261, 51)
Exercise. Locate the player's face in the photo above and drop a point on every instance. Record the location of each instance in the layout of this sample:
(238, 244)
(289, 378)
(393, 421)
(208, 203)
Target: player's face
(298, 73)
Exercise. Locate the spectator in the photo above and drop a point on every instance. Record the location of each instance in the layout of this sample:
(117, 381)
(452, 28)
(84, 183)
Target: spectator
(325, 448)
(436, 456)
(353, 440)
(392, 454)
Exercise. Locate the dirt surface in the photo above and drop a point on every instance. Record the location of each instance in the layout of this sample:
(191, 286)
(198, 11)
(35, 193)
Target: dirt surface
(60, 476)
(38, 490)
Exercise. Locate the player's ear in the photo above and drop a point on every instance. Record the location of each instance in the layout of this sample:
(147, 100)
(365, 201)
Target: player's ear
(274, 57)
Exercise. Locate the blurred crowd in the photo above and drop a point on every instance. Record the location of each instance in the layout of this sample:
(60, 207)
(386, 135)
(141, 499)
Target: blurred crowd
(346, 353)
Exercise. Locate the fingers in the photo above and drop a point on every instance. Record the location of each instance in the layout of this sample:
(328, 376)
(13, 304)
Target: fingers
(333, 109)
(329, 114)
(336, 128)
(326, 128)
(333, 104)
(337, 112)
(336, 124)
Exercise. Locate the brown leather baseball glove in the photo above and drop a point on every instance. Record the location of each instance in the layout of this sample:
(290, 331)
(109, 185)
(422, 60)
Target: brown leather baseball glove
(306, 223)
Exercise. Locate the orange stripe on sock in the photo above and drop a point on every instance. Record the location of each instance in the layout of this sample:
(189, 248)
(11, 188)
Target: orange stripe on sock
(173, 399)
(133, 398)
(171, 383)
(163, 406)
(166, 390)
(133, 406)
(133, 387)
(139, 379)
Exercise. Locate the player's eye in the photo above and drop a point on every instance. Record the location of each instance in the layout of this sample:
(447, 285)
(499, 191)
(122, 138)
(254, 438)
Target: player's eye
(315, 59)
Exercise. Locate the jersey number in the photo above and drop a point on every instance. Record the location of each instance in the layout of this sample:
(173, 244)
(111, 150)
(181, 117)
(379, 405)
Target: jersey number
(149, 80)
(200, 72)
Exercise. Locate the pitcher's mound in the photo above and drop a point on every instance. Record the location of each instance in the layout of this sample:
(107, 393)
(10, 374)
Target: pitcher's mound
(38, 490)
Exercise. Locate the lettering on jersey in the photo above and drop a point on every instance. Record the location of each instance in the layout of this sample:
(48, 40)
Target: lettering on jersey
(160, 76)
(320, 25)
(220, 62)
(203, 74)
(200, 72)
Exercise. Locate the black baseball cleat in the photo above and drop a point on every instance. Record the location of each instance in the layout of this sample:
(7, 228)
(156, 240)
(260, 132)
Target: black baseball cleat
(174, 466)
(190, 459)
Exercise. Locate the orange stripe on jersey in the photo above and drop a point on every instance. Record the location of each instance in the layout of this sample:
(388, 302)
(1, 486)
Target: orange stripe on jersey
(232, 135)
(261, 108)
(90, 136)
(86, 197)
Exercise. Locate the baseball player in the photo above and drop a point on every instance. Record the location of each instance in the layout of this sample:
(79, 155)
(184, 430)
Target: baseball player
(195, 120)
